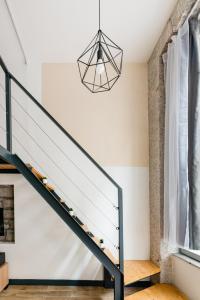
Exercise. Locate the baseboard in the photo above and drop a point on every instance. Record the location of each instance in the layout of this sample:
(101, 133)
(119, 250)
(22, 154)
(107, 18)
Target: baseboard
(65, 282)
(61, 282)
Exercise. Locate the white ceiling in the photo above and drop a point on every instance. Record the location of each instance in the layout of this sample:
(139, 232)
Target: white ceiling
(59, 30)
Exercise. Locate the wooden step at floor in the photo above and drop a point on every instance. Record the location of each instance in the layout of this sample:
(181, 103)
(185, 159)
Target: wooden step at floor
(158, 292)
(135, 270)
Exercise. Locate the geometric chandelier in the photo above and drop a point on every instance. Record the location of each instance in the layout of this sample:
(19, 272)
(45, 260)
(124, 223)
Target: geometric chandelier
(100, 65)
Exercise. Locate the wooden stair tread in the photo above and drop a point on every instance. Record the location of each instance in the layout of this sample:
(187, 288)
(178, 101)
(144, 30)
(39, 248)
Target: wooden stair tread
(40, 177)
(10, 167)
(135, 270)
(36, 173)
(97, 241)
(33, 170)
(158, 292)
(7, 167)
(85, 228)
(110, 256)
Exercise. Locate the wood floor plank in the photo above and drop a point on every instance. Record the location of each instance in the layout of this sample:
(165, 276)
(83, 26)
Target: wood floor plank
(158, 292)
(135, 270)
(35, 292)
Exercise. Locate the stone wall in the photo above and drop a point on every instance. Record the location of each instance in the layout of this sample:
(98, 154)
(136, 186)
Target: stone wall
(156, 134)
(7, 203)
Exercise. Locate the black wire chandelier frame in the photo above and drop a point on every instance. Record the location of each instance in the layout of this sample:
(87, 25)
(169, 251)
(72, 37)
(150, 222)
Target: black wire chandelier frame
(100, 65)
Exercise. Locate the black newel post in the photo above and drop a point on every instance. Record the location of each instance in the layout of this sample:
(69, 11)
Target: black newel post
(8, 112)
(121, 234)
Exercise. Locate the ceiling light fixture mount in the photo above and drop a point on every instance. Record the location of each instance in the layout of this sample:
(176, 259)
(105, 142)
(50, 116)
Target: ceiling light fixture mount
(100, 64)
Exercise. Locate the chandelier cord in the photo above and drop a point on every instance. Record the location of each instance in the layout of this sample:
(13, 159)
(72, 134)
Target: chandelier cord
(99, 14)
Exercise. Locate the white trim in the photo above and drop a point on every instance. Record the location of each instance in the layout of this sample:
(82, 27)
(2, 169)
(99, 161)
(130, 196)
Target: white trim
(187, 259)
(15, 29)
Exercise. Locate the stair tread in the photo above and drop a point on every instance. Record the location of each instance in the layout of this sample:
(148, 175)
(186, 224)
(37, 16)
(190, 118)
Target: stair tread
(135, 270)
(36, 173)
(7, 167)
(40, 177)
(97, 240)
(158, 292)
(110, 256)
(85, 228)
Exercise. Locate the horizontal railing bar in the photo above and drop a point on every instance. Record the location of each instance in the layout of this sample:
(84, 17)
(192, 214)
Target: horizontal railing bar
(65, 132)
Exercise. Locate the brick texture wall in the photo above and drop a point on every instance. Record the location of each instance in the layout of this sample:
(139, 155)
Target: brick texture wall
(7, 203)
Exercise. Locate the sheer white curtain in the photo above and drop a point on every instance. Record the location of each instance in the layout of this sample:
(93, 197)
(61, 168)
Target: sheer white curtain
(176, 194)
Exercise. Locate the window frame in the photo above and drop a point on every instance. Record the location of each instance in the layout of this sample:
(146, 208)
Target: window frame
(189, 254)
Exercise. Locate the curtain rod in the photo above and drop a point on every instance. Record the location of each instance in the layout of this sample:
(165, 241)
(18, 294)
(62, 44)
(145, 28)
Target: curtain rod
(16, 31)
(194, 7)
(174, 32)
(192, 10)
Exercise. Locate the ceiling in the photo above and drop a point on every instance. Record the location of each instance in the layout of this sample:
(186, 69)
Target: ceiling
(59, 30)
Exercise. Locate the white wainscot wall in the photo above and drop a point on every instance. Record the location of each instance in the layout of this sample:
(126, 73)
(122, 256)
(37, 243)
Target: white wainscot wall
(46, 249)
(186, 276)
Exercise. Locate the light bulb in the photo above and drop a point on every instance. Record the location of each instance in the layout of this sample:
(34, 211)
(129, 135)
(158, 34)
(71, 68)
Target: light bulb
(100, 66)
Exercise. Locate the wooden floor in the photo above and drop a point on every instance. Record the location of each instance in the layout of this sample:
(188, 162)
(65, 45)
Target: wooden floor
(59, 293)
(158, 292)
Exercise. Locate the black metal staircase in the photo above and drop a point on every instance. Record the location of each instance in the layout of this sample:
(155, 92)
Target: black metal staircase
(13, 157)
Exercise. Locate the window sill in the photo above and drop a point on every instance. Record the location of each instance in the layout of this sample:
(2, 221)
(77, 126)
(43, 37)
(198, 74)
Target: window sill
(188, 260)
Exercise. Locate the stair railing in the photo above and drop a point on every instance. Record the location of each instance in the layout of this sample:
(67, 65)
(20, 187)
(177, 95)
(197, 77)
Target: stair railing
(9, 78)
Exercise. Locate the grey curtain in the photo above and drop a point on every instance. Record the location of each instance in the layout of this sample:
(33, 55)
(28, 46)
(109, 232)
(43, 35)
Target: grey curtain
(194, 134)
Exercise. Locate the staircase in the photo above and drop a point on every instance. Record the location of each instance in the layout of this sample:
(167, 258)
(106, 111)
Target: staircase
(32, 141)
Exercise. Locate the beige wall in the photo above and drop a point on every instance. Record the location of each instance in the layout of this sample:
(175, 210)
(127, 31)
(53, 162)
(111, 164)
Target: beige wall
(112, 126)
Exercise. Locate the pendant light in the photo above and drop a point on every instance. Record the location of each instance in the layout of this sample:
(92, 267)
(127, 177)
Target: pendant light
(100, 64)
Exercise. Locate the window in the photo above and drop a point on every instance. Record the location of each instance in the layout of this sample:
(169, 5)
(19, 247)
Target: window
(182, 141)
